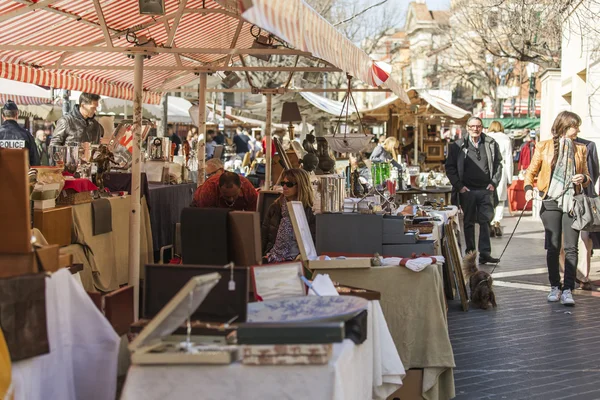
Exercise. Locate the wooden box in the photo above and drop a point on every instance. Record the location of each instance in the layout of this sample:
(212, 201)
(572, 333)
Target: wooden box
(55, 224)
(15, 214)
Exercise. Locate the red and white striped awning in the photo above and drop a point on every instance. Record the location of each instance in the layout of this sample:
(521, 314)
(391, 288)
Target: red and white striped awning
(298, 24)
(82, 44)
(63, 43)
(24, 100)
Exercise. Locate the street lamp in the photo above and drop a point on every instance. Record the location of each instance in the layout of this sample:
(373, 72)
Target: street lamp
(532, 69)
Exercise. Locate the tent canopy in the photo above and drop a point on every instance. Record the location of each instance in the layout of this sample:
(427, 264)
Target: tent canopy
(422, 103)
(88, 45)
(23, 93)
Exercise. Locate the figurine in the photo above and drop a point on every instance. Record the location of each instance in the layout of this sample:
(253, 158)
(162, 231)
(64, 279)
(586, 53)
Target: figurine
(103, 157)
(309, 144)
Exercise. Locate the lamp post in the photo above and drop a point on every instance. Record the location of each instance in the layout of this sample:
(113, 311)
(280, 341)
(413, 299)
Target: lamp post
(532, 69)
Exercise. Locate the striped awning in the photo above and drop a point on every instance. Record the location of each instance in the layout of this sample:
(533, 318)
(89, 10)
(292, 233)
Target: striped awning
(86, 45)
(24, 100)
(81, 45)
(298, 24)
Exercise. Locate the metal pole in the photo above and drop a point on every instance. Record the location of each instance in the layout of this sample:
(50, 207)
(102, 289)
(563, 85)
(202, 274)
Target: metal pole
(201, 148)
(165, 116)
(268, 142)
(136, 174)
(416, 140)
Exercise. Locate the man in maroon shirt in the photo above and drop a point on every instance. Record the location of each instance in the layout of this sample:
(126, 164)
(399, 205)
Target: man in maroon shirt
(226, 190)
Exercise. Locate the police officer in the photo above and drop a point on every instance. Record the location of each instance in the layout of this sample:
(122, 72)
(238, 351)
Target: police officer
(12, 136)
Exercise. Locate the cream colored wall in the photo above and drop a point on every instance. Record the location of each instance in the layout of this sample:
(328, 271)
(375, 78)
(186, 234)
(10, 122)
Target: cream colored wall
(580, 73)
(552, 100)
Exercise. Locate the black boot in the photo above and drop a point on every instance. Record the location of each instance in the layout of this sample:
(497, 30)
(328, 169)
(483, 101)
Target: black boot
(487, 258)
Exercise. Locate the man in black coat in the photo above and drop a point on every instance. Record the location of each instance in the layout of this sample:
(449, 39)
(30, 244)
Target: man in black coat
(12, 136)
(80, 125)
(474, 168)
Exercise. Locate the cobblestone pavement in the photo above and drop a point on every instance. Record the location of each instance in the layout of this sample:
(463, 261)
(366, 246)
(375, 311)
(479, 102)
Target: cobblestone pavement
(527, 348)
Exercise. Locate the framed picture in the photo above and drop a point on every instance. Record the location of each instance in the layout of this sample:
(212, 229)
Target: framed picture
(152, 7)
(434, 150)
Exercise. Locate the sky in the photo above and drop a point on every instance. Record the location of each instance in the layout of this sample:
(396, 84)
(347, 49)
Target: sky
(438, 4)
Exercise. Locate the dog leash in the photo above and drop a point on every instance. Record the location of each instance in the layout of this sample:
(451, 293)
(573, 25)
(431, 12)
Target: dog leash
(511, 235)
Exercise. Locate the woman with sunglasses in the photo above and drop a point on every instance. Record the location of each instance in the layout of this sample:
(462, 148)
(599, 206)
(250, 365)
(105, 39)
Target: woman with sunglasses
(560, 165)
(278, 240)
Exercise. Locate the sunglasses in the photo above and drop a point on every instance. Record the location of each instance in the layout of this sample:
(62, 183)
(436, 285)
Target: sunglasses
(288, 184)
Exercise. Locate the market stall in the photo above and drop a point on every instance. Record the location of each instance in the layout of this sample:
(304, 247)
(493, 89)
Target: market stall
(418, 125)
(369, 370)
(106, 256)
(106, 62)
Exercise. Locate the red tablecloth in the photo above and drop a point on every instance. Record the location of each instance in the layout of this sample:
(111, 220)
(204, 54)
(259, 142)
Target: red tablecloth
(80, 185)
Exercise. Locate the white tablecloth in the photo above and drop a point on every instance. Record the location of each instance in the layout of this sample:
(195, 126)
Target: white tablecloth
(370, 370)
(82, 363)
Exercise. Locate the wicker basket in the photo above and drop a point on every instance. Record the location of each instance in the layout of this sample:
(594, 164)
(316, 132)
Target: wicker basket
(70, 197)
(422, 228)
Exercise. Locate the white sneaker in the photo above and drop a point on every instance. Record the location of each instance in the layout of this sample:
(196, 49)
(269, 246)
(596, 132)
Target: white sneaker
(554, 294)
(567, 298)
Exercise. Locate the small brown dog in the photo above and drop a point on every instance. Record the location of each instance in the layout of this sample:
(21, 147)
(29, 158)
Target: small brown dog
(480, 282)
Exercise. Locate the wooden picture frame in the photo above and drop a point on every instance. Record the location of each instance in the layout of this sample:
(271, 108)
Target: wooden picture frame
(152, 7)
(434, 150)
(456, 265)
(281, 151)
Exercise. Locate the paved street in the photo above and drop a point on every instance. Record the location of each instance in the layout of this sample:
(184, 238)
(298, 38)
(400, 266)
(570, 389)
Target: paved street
(527, 348)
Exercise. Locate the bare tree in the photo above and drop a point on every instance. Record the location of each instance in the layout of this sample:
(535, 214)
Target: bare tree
(523, 30)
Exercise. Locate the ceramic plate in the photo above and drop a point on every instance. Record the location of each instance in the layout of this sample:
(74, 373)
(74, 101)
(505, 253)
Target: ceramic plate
(307, 308)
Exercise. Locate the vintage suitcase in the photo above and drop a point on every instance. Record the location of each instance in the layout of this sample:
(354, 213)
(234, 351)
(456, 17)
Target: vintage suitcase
(156, 345)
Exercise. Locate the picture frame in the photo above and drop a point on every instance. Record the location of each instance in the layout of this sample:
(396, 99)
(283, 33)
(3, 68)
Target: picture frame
(278, 281)
(434, 150)
(152, 7)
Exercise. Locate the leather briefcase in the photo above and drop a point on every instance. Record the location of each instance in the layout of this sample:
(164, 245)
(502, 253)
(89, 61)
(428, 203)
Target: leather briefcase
(23, 315)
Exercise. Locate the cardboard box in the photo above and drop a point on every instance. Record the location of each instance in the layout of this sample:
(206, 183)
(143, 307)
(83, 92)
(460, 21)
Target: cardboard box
(23, 264)
(48, 256)
(412, 386)
(15, 213)
(55, 224)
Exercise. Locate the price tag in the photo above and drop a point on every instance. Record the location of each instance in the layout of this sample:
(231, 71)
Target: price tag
(231, 286)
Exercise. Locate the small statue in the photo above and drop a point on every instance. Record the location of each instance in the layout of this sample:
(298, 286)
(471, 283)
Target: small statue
(309, 144)
(103, 157)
